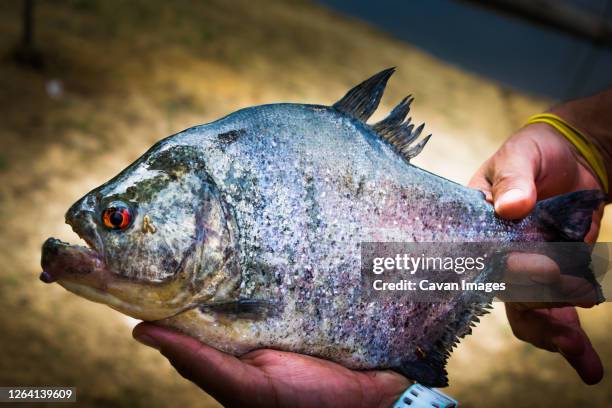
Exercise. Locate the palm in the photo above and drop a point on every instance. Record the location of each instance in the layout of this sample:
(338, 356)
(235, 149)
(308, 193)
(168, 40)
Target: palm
(317, 382)
(268, 378)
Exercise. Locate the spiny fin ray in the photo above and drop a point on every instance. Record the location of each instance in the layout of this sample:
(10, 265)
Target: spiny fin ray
(361, 101)
(400, 133)
(397, 129)
(416, 149)
(392, 123)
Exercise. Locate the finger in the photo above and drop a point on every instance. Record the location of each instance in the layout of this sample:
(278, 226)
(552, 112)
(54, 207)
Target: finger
(575, 346)
(578, 291)
(536, 281)
(529, 268)
(523, 306)
(540, 327)
(530, 280)
(558, 330)
(593, 233)
(512, 173)
(480, 182)
(221, 375)
(581, 355)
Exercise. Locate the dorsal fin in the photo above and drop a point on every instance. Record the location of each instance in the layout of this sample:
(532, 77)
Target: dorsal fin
(393, 122)
(416, 149)
(400, 133)
(361, 102)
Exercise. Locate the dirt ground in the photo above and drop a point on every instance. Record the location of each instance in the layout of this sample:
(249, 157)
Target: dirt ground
(118, 76)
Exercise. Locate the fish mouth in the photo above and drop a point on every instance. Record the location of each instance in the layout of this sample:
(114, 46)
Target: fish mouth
(61, 260)
(79, 269)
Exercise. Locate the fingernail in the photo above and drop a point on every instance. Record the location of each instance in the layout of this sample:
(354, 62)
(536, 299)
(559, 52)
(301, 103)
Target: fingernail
(510, 196)
(147, 341)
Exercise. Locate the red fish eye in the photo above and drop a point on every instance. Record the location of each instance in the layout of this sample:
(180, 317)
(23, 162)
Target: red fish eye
(117, 216)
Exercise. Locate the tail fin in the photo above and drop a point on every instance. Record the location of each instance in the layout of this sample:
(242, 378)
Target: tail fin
(568, 217)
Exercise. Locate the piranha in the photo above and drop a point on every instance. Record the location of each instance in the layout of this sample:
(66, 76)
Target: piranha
(246, 233)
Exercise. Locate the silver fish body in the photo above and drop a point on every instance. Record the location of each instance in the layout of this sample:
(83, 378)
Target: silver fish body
(259, 221)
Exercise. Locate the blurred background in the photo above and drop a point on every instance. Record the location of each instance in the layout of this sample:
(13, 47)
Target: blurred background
(87, 86)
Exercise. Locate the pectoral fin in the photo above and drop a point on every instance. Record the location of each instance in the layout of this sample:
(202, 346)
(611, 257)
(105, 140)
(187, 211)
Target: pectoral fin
(254, 309)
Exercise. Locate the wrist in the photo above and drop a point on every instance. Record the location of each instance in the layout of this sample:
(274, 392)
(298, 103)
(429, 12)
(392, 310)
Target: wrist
(585, 175)
(591, 115)
(559, 167)
(559, 140)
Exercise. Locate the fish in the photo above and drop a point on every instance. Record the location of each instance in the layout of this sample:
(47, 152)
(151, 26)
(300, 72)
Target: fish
(246, 233)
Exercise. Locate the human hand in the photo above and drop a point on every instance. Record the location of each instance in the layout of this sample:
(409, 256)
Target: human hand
(534, 164)
(270, 378)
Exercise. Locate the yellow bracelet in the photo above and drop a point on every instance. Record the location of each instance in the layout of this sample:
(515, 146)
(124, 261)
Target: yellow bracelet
(587, 149)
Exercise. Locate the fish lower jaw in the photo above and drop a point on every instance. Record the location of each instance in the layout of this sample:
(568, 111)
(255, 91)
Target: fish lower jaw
(100, 296)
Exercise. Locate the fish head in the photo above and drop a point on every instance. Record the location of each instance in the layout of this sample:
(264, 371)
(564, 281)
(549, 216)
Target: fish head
(159, 238)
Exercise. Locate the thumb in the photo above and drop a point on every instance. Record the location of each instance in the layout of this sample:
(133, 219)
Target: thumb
(513, 186)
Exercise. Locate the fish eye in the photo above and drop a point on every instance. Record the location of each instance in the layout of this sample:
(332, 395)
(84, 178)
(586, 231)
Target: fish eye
(117, 216)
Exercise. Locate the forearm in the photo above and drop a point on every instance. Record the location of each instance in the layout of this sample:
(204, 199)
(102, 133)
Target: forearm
(593, 116)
